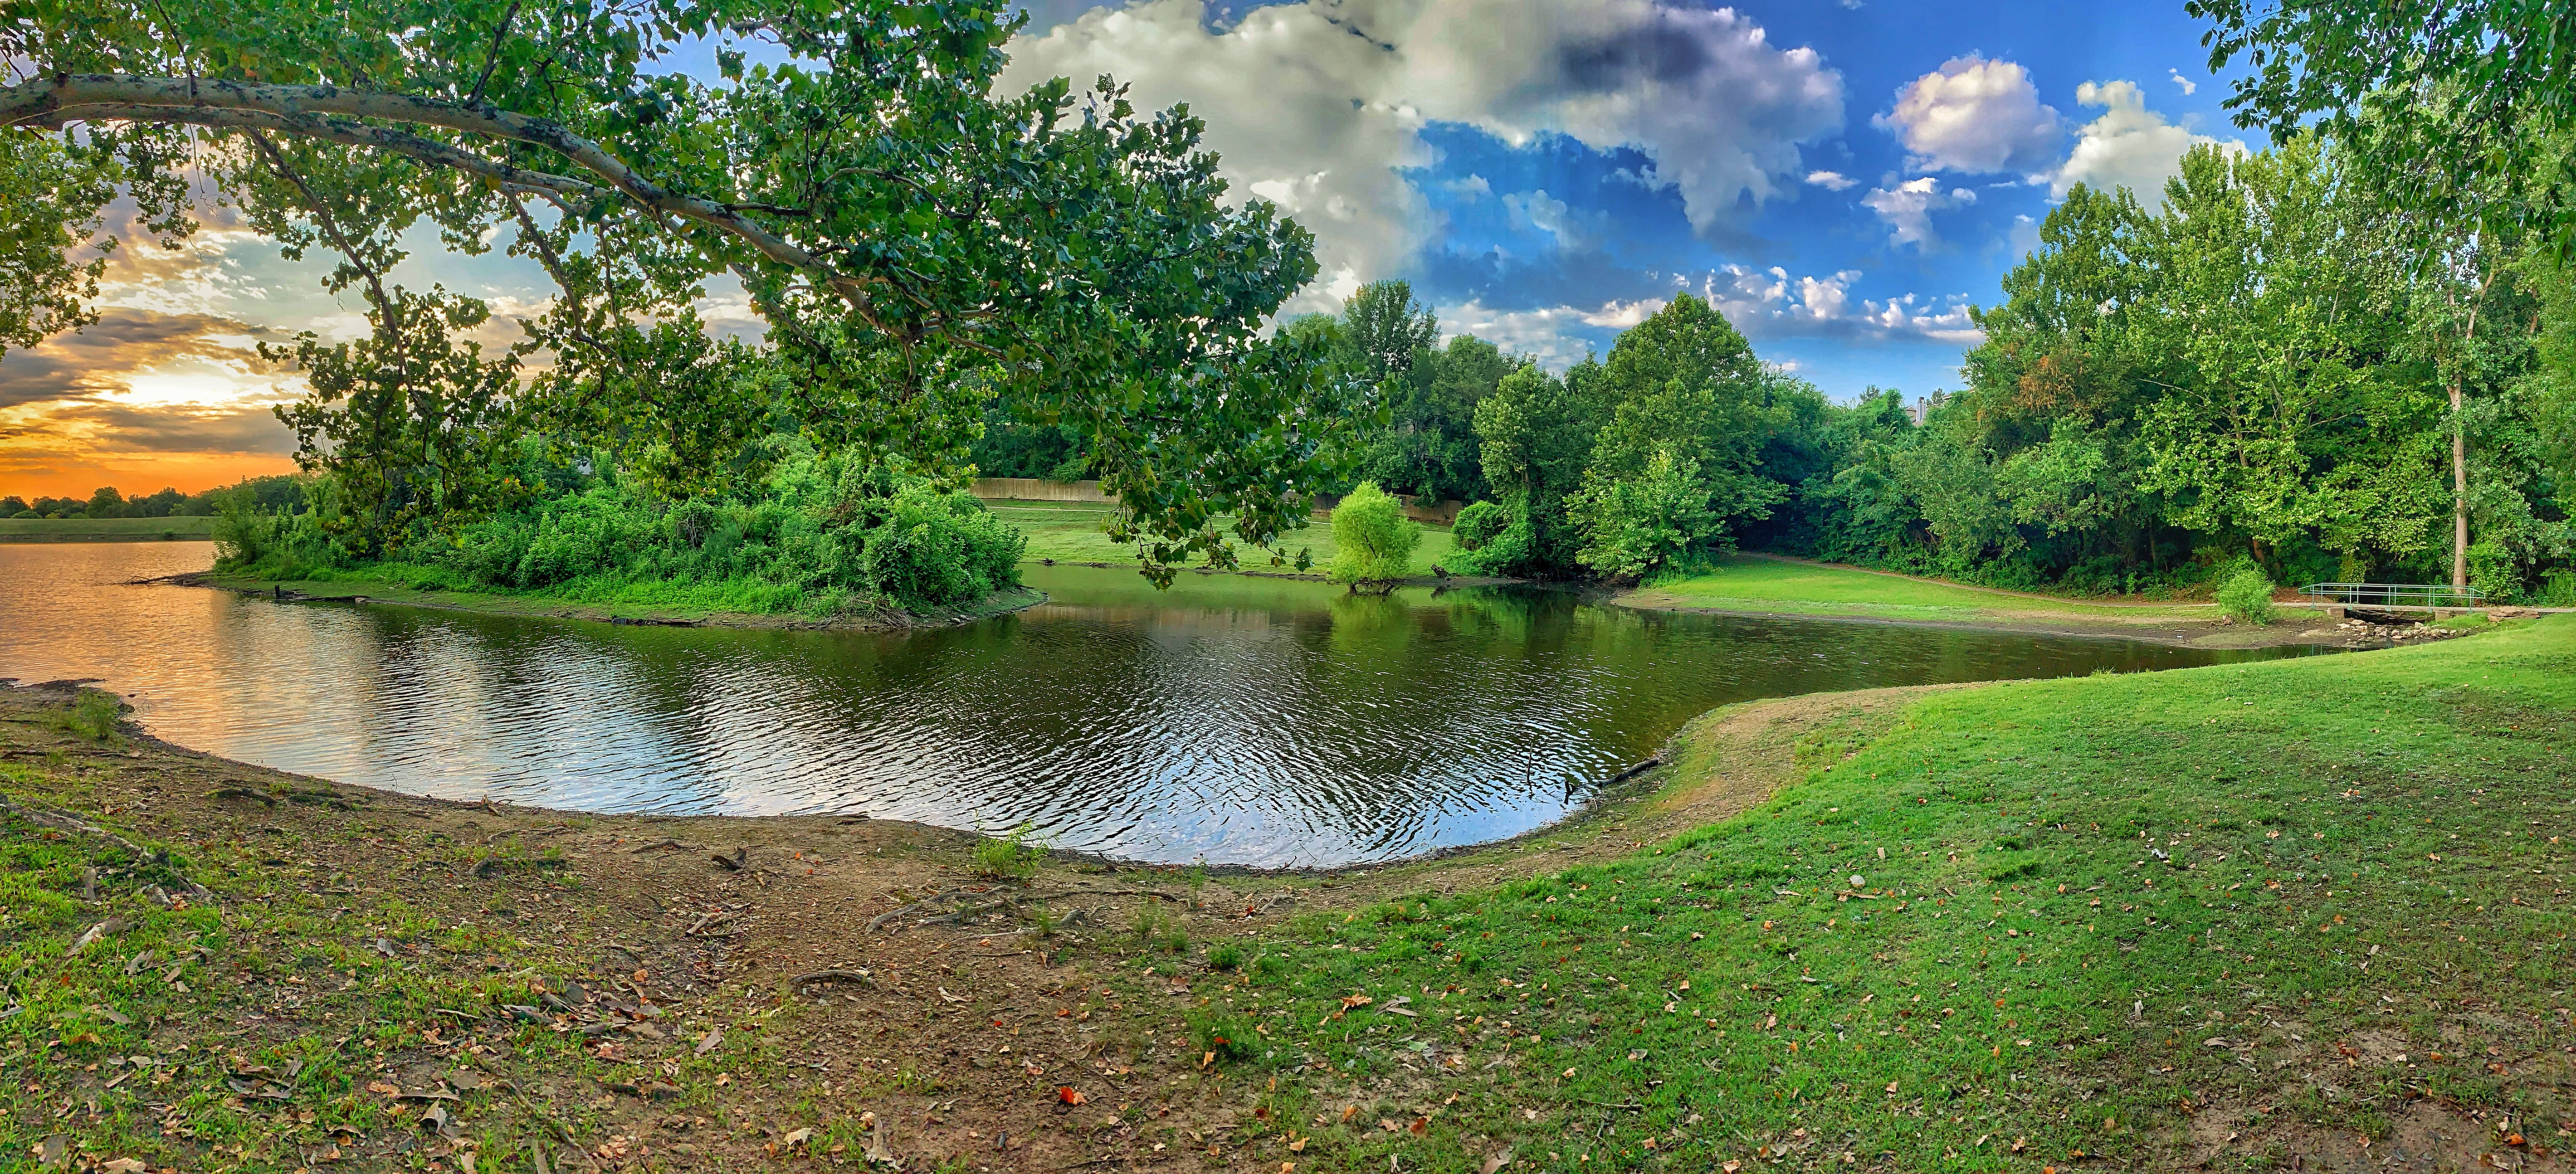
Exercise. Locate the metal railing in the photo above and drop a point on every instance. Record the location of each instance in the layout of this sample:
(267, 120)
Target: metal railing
(2394, 594)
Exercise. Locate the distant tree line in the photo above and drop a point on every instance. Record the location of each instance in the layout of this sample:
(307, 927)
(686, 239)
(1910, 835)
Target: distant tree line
(2281, 366)
(107, 502)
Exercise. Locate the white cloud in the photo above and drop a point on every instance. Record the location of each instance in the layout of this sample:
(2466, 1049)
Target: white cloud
(1769, 303)
(1832, 181)
(1552, 216)
(1976, 116)
(1544, 334)
(2021, 239)
(1318, 105)
(2189, 87)
(2129, 146)
(1472, 187)
(1908, 208)
(1763, 303)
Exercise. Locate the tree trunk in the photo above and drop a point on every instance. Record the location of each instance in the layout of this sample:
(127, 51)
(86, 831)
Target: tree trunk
(2459, 494)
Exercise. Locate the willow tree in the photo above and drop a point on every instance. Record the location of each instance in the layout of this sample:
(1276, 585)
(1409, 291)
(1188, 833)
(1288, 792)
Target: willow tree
(916, 243)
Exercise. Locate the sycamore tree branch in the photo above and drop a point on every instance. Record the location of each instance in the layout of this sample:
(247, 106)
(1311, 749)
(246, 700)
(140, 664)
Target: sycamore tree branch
(339, 240)
(45, 102)
(555, 188)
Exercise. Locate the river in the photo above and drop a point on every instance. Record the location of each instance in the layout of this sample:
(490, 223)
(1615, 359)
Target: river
(1233, 720)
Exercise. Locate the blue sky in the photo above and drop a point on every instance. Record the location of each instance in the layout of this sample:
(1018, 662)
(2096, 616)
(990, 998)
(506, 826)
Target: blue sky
(1526, 212)
(1841, 178)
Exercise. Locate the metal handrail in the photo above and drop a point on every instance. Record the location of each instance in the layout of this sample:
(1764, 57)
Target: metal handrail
(2395, 594)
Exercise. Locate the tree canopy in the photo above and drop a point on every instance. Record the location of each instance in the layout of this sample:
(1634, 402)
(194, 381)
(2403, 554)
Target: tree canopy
(920, 247)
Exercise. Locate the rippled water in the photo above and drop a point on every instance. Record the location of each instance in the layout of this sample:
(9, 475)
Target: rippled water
(1231, 719)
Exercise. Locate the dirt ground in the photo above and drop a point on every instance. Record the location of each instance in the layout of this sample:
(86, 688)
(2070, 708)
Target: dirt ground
(918, 1007)
(895, 987)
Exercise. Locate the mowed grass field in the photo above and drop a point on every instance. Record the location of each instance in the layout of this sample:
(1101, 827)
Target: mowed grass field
(105, 529)
(1070, 532)
(1745, 582)
(2313, 909)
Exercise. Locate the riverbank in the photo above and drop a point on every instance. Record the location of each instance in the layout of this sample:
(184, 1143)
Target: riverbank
(2222, 916)
(191, 529)
(665, 604)
(1751, 584)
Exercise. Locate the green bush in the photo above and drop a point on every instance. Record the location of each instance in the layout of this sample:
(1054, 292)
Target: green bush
(1011, 857)
(1374, 539)
(1225, 956)
(1478, 524)
(93, 717)
(1637, 525)
(2246, 597)
(2559, 589)
(27, 514)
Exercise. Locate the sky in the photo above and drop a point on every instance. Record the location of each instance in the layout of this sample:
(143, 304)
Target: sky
(1842, 178)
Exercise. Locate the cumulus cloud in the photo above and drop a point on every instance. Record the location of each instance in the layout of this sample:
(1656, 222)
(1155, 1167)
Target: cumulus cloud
(1908, 208)
(1765, 304)
(1832, 181)
(1771, 303)
(1552, 216)
(104, 358)
(2189, 87)
(1318, 105)
(1976, 116)
(2129, 146)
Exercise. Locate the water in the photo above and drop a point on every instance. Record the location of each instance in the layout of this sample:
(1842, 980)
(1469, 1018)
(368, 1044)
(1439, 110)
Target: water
(1235, 720)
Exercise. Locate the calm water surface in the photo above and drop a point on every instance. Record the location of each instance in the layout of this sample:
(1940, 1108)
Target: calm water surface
(1230, 719)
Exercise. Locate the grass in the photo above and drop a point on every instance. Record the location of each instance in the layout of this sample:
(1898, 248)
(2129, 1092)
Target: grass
(2111, 919)
(105, 529)
(1070, 532)
(1752, 583)
(603, 595)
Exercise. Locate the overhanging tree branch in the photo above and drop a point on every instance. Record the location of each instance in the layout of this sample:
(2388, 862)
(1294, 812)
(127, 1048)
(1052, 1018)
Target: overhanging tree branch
(50, 101)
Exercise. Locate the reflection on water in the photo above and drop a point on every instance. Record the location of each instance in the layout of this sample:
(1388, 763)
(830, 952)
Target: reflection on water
(1232, 719)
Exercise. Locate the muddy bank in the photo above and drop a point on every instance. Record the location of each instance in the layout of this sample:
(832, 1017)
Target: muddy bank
(701, 992)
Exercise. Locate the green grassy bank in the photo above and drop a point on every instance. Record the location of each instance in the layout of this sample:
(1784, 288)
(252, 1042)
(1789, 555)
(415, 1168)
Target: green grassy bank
(1757, 583)
(742, 602)
(106, 529)
(2234, 915)
(1069, 532)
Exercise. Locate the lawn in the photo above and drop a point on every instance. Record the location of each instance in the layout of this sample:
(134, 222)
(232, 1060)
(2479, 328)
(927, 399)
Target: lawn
(1070, 532)
(105, 529)
(2229, 914)
(1746, 582)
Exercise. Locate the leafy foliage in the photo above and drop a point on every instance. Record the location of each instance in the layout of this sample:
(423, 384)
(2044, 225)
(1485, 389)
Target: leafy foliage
(2246, 597)
(923, 249)
(1375, 540)
(815, 534)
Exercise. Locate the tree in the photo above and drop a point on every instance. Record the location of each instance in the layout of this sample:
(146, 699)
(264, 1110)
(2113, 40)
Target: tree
(1691, 408)
(2482, 94)
(1383, 328)
(917, 244)
(105, 502)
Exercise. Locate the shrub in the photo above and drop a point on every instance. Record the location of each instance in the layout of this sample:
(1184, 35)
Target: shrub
(29, 515)
(1374, 539)
(2246, 597)
(1635, 526)
(1478, 524)
(1011, 857)
(2560, 589)
(93, 717)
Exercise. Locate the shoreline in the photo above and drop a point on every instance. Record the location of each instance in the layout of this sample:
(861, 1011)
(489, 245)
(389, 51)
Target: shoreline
(797, 992)
(377, 591)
